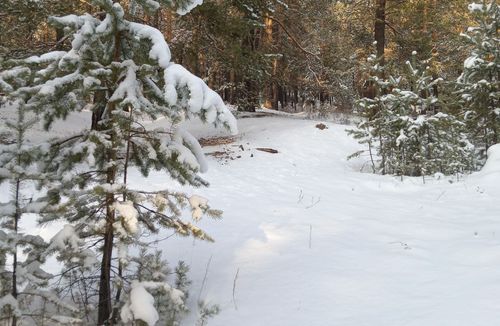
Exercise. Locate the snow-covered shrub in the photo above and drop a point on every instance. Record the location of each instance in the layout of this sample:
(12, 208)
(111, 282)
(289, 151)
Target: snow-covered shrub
(479, 84)
(157, 294)
(405, 128)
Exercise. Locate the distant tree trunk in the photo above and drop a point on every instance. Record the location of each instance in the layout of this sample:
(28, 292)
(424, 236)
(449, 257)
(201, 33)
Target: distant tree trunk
(271, 89)
(274, 85)
(169, 25)
(268, 42)
(59, 38)
(380, 30)
(232, 80)
(252, 88)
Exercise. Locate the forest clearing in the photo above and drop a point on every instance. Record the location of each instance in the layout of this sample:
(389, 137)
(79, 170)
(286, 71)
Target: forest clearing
(249, 162)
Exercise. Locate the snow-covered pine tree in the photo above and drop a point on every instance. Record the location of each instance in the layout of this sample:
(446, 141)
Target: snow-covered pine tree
(122, 72)
(169, 302)
(24, 282)
(407, 125)
(479, 84)
(375, 113)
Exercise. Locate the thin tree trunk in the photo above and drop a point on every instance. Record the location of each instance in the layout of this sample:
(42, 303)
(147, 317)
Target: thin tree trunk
(124, 198)
(380, 30)
(14, 258)
(105, 309)
(105, 297)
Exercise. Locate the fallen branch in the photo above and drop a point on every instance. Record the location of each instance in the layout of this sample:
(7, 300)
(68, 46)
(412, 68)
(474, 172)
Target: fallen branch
(267, 150)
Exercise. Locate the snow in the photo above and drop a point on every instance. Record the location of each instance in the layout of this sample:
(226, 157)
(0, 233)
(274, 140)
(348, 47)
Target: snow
(9, 300)
(198, 204)
(183, 137)
(65, 320)
(477, 7)
(202, 101)
(66, 237)
(47, 57)
(50, 87)
(129, 215)
(401, 138)
(159, 49)
(129, 87)
(190, 5)
(315, 241)
(493, 162)
(140, 306)
(472, 62)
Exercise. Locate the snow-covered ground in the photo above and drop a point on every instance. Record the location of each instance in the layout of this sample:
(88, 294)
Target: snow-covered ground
(309, 240)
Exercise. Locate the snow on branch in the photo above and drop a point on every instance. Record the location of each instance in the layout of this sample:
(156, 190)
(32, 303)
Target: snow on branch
(159, 50)
(188, 6)
(141, 304)
(199, 99)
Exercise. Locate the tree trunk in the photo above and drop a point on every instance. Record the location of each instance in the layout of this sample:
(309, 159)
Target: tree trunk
(380, 30)
(14, 259)
(105, 309)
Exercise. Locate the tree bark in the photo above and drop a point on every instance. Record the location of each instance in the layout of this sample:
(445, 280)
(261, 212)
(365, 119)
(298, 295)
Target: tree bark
(14, 259)
(380, 30)
(105, 309)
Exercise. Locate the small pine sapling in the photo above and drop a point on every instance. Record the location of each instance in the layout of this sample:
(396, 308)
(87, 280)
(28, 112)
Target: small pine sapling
(24, 285)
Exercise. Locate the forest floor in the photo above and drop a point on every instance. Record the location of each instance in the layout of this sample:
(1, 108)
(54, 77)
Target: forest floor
(308, 239)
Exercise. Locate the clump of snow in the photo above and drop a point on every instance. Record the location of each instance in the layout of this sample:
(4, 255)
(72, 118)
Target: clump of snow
(9, 300)
(50, 87)
(477, 7)
(189, 6)
(159, 50)
(65, 238)
(128, 214)
(201, 101)
(401, 138)
(198, 206)
(492, 164)
(47, 57)
(472, 62)
(140, 306)
(184, 137)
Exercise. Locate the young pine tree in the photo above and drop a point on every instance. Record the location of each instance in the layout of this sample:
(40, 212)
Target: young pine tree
(405, 127)
(121, 71)
(479, 84)
(24, 282)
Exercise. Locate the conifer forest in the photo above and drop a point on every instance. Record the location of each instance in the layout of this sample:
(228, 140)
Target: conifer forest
(249, 162)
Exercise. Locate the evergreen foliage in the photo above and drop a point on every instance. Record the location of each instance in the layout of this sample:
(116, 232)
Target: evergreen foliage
(479, 84)
(406, 126)
(24, 282)
(121, 71)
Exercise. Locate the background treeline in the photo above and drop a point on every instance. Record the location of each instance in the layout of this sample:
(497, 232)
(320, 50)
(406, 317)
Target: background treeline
(293, 55)
(325, 57)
